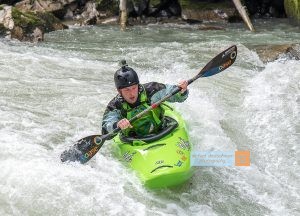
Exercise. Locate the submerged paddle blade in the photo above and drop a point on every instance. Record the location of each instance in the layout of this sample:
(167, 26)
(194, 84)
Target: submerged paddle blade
(83, 150)
(219, 63)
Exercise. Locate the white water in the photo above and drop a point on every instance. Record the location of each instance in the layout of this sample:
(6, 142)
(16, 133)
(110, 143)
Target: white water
(54, 93)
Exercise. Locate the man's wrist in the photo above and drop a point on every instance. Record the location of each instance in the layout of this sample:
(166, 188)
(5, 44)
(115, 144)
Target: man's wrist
(184, 93)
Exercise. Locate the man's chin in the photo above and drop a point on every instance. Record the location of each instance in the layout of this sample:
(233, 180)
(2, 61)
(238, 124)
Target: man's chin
(132, 101)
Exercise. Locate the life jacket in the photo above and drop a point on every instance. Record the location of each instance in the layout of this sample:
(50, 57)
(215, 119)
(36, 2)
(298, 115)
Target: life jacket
(148, 123)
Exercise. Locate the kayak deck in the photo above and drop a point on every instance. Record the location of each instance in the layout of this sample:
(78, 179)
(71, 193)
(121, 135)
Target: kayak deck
(163, 162)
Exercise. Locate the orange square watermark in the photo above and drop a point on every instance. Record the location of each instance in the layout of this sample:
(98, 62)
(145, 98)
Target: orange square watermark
(242, 158)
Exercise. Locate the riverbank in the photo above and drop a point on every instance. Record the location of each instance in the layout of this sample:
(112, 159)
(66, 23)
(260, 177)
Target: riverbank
(28, 20)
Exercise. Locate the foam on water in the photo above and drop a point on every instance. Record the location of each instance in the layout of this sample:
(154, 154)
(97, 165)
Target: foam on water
(272, 123)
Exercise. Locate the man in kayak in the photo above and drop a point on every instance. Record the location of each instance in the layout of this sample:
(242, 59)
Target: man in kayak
(133, 98)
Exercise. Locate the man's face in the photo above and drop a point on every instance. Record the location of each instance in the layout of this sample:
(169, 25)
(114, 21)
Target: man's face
(130, 94)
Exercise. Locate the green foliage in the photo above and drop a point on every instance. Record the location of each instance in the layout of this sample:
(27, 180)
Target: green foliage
(292, 8)
(26, 19)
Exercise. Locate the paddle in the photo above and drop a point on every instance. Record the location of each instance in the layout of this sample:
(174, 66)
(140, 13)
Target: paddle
(84, 149)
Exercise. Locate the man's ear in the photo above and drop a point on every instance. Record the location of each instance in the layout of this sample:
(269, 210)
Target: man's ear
(119, 91)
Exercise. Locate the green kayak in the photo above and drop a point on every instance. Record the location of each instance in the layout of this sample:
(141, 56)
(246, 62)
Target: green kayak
(160, 160)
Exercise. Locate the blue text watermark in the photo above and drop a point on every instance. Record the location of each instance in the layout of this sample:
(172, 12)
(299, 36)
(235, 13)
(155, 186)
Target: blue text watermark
(220, 158)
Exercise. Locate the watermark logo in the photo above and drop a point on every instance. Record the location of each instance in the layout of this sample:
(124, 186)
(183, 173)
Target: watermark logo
(242, 158)
(220, 158)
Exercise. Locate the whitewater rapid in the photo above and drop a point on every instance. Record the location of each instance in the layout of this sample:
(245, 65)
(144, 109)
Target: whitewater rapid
(55, 92)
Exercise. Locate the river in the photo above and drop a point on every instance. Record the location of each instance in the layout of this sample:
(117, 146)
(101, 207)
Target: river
(55, 92)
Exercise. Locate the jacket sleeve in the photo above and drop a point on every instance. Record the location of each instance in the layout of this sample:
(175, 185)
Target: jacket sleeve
(167, 90)
(111, 117)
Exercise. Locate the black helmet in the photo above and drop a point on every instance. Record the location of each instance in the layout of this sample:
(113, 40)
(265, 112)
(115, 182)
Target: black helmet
(125, 76)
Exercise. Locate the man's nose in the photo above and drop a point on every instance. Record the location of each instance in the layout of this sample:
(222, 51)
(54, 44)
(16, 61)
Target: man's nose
(131, 93)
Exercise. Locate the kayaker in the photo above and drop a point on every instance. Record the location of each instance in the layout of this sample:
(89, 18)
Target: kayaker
(133, 98)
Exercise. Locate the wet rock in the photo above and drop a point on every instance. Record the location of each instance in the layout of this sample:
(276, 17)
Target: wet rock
(90, 14)
(27, 26)
(6, 17)
(71, 11)
(38, 35)
(210, 27)
(42, 5)
(90, 21)
(208, 11)
(269, 53)
(294, 51)
(211, 15)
